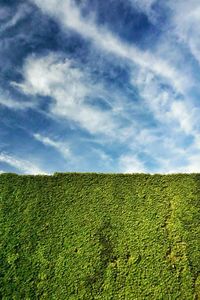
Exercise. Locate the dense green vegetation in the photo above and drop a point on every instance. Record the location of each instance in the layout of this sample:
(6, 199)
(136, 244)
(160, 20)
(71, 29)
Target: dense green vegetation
(97, 236)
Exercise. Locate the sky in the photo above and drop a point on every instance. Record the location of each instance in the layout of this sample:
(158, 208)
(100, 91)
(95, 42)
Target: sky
(108, 86)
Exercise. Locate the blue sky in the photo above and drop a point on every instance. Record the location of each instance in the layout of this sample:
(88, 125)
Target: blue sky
(99, 86)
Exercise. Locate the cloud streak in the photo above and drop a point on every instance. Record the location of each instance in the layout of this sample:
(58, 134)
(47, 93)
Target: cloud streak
(7, 101)
(185, 22)
(59, 78)
(62, 148)
(69, 16)
(24, 166)
(22, 11)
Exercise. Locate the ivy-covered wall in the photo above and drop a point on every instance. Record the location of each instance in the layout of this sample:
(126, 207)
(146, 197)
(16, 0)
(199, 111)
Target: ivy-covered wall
(100, 236)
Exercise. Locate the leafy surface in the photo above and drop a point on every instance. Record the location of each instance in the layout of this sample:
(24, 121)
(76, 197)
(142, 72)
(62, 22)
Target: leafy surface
(97, 236)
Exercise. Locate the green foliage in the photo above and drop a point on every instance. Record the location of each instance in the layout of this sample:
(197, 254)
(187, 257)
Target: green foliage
(97, 236)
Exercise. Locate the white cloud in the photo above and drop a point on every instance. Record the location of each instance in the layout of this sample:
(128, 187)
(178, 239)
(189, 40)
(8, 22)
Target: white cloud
(69, 16)
(6, 101)
(193, 165)
(145, 6)
(102, 155)
(61, 147)
(44, 73)
(20, 13)
(23, 166)
(155, 98)
(131, 164)
(183, 115)
(150, 89)
(165, 105)
(185, 24)
(189, 164)
(69, 87)
(178, 119)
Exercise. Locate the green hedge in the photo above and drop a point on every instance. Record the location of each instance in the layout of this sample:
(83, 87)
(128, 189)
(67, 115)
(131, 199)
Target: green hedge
(100, 236)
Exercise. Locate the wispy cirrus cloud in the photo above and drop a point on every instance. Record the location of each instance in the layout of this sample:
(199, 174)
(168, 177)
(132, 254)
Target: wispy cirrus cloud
(59, 78)
(23, 166)
(185, 20)
(166, 106)
(61, 147)
(69, 16)
(178, 121)
(21, 11)
(7, 101)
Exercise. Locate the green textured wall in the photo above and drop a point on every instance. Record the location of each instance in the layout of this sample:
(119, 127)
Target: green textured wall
(100, 236)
